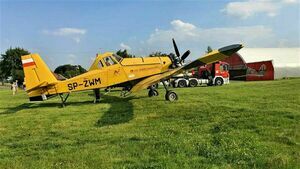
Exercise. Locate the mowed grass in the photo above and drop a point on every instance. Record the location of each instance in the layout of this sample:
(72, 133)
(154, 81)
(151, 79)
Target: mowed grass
(241, 125)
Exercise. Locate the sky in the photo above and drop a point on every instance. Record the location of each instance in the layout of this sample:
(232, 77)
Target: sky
(72, 32)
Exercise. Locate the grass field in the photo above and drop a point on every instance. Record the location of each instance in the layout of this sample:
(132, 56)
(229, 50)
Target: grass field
(241, 125)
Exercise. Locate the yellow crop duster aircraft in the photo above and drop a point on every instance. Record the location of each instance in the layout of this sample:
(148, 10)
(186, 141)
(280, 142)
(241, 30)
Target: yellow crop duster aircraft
(110, 70)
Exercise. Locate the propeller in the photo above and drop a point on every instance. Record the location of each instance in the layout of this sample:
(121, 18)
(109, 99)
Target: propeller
(185, 55)
(178, 60)
(176, 48)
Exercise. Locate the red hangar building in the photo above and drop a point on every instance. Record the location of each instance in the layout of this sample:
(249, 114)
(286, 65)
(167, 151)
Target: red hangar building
(253, 71)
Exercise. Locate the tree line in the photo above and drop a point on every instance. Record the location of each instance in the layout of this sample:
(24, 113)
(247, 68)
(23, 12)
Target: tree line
(11, 65)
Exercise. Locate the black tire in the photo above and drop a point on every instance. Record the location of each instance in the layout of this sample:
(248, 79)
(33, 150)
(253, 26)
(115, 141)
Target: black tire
(152, 93)
(155, 86)
(193, 83)
(219, 81)
(171, 96)
(173, 84)
(181, 83)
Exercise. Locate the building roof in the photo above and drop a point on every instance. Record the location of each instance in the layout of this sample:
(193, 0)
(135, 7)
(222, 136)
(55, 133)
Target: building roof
(286, 61)
(282, 57)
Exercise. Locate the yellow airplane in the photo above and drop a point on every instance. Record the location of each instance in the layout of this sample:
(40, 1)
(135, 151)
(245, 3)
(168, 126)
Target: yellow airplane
(111, 70)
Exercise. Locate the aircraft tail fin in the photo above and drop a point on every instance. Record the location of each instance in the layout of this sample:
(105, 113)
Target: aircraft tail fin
(36, 72)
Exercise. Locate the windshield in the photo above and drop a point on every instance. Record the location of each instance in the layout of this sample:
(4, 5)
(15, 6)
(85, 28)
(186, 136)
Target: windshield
(226, 67)
(117, 57)
(109, 61)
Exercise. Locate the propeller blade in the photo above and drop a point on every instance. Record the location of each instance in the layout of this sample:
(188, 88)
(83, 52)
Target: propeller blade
(176, 49)
(185, 55)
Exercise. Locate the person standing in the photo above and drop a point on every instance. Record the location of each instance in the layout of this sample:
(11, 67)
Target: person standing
(14, 88)
(17, 86)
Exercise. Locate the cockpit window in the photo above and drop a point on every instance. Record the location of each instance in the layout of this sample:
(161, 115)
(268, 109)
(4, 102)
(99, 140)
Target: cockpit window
(118, 58)
(100, 65)
(109, 61)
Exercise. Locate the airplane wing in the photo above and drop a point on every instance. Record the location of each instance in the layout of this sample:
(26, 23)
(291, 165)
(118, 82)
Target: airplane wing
(154, 79)
(211, 57)
(214, 56)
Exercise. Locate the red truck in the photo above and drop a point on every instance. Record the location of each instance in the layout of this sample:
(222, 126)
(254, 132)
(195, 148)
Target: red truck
(213, 74)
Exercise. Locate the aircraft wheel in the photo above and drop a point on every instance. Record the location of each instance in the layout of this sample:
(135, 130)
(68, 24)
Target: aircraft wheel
(152, 93)
(155, 86)
(171, 96)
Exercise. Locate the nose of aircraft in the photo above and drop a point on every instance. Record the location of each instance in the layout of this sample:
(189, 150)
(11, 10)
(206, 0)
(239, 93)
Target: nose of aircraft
(229, 50)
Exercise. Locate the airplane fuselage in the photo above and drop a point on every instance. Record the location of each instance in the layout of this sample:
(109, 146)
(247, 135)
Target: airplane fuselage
(109, 70)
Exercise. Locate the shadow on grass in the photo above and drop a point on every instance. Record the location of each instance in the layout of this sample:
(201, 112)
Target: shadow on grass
(39, 105)
(16, 109)
(120, 111)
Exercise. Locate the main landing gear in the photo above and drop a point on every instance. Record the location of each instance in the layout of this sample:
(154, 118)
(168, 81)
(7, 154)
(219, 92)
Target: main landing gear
(170, 95)
(97, 95)
(63, 100)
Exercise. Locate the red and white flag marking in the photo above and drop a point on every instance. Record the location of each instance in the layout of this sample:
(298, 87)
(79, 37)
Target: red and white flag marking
(28, 62)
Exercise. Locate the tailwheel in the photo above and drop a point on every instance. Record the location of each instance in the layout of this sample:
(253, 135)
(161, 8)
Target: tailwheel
(171, 96)
(153, 92)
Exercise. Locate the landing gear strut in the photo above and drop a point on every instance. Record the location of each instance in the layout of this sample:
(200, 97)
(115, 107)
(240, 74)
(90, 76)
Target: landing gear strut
(63, 100)
(170, 95)
(97, 95)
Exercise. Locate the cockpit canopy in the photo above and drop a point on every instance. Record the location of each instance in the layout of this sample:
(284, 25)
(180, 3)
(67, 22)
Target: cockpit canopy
(106, 59)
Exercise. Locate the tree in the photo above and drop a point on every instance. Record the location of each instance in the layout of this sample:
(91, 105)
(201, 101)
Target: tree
(158, 54)
(69, 71)
(2, 78)
(124, 54)
(11, 64)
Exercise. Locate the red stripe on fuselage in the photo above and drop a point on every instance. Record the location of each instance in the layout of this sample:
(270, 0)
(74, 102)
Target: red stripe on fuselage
(28, 64)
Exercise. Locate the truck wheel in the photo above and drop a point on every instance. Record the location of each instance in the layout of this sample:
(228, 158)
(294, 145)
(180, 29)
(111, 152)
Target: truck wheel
(210, 83)
(153, 93)
(219, 81)
(182, 83)
(193, 83)
(173, 85)
(171, 96)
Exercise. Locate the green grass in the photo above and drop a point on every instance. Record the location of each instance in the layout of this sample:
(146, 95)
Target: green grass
(241, 125)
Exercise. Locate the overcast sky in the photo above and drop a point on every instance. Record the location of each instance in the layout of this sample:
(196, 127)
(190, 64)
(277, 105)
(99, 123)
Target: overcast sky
(73, 32)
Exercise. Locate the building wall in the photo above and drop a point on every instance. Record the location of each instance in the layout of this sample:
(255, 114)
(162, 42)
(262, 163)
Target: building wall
(240, 70)
(286, 61)
(263, 70)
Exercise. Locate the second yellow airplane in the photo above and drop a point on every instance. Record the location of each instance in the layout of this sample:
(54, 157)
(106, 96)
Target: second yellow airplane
(111, 70)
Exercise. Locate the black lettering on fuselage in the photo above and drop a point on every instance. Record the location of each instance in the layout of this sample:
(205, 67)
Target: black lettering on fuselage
(98, 81)
(91, 82)
(86, 83)
(70, 86)
(75, 84)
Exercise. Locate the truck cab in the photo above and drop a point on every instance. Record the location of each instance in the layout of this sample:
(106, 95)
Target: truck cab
(217, 73)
